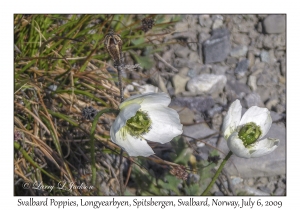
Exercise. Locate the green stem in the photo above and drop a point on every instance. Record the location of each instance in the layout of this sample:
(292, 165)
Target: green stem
(206, 191)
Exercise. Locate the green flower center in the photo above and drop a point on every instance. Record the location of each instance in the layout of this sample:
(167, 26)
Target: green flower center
(138, 124)
(249, 133)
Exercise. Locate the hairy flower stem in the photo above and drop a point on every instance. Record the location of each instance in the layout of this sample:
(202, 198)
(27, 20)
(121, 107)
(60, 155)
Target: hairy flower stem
(119, 68)
(121, 152)
(206, 191)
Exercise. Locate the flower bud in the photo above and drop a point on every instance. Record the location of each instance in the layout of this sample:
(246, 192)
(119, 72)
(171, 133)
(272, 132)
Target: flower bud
(113, 44)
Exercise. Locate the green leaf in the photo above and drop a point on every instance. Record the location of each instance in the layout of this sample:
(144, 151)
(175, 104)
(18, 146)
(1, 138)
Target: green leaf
(171, 184)
(192, 189)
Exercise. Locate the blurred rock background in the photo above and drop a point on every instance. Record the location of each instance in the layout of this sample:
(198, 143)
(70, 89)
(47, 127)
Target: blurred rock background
(221, 58)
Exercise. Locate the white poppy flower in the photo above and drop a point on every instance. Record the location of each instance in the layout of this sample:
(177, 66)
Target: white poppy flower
(244, 135)
(145, 117)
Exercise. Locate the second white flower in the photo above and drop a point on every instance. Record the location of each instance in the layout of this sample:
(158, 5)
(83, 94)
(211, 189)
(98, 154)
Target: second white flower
(244, 136)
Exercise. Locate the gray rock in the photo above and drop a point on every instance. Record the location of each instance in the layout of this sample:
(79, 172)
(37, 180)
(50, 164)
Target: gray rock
(283, 67)
(272, 103)
(218, 193)
(205, 69)
(269, 77)
(274, 41)
(241, 79)
(253, 99)
(194, 58)
(188, 23)
(252, 82)
(204, 35)
(147, 88)
(262, 181)
(283, 98)
(180, 62)
(201, 132)
(157, 80)
(167, 55)
(280, 108)
(275, 116)
(205, 21)
(179, 80)
(186, 115)
(216, 109)
(279, 191)
(193, 72)
(239, 51)
(217, 23)
(258, 42)
(199, 117)
(250, 182)
(271, 185)
(200, 103)
(241, 39)
(269, 165)
(252, 191)
(259, 27)
(258, 67)
(183, 72)
(280, 54)
(251, 58)
(217, 121)
(238, 88)
(268, 56)
(231, 62)
(253, 34)
(197, 131)
(193, 45)
(265, 93)
(274, 24)
(182, 52)
(242, 68)
(282, 181)
(236, 180)
(218, 69)
(263, 79)
(268, 43)
(217, 48)
(266, 190)
(207, 84)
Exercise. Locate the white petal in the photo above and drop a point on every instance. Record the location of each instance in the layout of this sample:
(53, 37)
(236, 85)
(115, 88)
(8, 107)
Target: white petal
(125, 114)
(263, 147)
(232, 118)
(165, 124)
(133, 146)
(235, 144)
(260, 116)
(148, 99)
(260, 148)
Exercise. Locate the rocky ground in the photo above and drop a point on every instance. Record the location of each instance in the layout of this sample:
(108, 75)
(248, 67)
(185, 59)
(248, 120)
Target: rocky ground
(221, 58)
